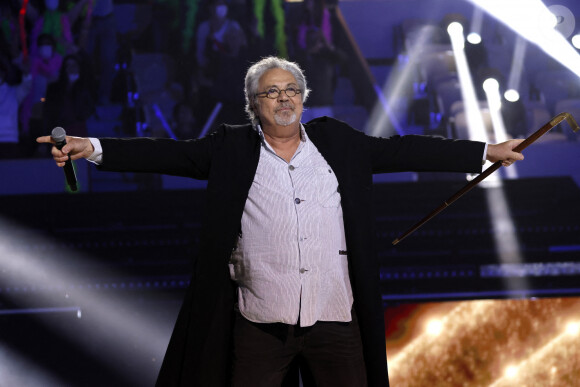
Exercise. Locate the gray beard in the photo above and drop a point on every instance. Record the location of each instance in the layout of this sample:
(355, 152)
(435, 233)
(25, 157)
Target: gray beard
(284, 120)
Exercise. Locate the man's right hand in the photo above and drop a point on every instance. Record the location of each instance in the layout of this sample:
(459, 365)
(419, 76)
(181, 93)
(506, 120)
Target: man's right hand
(76, 148)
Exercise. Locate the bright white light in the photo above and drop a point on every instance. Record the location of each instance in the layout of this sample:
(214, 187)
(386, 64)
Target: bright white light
(511, 372)
(490, 85)
(517, 64)
(551, 20)
(434, 327)
(474, 38)
(475, 124)
(491, 88)
(576, 41)
(529, 18)
(554, 370)
(512, 95)
(455, 28)
(573, 328)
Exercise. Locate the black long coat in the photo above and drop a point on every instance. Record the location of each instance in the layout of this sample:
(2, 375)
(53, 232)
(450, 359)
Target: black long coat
(199, 349)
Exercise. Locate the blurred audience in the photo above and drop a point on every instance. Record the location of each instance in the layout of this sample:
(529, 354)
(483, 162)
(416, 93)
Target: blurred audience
(221, 62)
(54, 21)
(11, 95)
(318, 56)
(102, 46)
(258, 47)
(45, 66)
(184, 124)
(9, 43)
(219, 38)
(277, 15)
(71, 100)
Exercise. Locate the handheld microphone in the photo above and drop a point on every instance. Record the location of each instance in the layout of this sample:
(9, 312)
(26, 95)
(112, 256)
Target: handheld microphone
(59, 136)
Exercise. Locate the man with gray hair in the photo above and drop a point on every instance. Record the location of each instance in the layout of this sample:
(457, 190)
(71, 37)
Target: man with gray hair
(286, 268)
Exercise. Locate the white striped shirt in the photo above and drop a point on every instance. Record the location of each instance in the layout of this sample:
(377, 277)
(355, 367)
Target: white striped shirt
(290, 262)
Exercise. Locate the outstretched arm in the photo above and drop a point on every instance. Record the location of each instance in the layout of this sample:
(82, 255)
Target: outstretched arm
(189, 158)
(75, 148)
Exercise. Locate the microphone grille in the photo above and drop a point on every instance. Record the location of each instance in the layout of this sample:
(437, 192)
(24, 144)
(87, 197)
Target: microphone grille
(58, 134)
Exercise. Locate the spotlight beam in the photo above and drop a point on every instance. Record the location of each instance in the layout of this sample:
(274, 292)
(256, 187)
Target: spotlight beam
(476, 22)
(117, 324)
(531, 19)
(491, 88)
(517, 64)
(475, 123)
(15, 370)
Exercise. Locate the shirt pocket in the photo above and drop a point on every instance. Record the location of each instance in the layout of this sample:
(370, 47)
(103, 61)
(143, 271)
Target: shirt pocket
(327, 187)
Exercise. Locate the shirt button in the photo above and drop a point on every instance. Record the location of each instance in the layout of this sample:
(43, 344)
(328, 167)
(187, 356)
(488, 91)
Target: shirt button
(302, 271)
(297, 201)
(291, 167)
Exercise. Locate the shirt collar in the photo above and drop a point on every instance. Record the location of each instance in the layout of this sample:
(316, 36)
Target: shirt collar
(303, 135)
(304, 141)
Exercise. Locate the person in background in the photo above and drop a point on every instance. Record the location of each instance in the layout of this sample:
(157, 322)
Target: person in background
(184, 121)
(221, 61)
(319, 57)
(45, 66)
(9, 37)
(71, 100)
(277, 38)
(57, 23)
(11, 95)
(217, 38)
(102, 46)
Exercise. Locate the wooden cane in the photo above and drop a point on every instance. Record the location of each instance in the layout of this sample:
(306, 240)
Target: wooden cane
(523, 145)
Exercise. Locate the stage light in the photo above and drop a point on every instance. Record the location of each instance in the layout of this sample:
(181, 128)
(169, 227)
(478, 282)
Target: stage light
(491, 85)
(455, 28)
(512, 95)
(434, 327)
(384, 118)
(475, 124)
(551, 20)
(576, 41)
(573, 328)
(511, 372)
(455, 31)
(491, 88)
(505, 237)
(535, 22)
(474, 38)
(517, 67)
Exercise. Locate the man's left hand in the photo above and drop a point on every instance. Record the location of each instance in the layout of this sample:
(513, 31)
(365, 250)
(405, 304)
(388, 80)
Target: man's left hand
(504, 152)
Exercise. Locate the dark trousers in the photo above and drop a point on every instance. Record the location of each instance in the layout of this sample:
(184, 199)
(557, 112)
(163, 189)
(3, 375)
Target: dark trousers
(263, 353)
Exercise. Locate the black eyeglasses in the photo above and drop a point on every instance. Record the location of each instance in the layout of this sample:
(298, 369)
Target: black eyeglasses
(274, 92)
